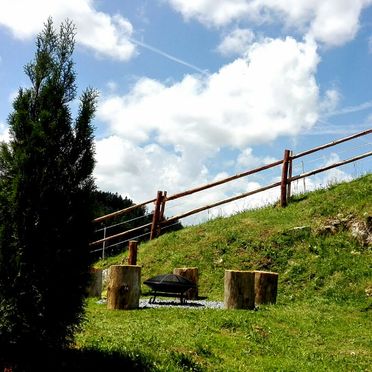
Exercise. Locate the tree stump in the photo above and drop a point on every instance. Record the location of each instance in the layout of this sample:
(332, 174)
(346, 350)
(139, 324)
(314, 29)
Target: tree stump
(239, 289)
(124, 285)
(266, 287)
(95, 286)
(190, 273)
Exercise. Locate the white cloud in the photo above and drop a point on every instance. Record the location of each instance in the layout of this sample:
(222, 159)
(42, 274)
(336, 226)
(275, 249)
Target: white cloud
(4, 133)
(163, 135)
(236, 42)
(330, 101)
(246, 159)
(106, 35)
(248, 100)
(332, 22)
(12, 96)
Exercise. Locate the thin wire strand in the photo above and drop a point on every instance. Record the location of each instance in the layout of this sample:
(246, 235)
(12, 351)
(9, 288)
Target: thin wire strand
(123, 223)
(121, 242)
(168, 226)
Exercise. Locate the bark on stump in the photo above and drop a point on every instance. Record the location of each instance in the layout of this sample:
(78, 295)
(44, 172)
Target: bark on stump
(190, 273)
(124, 287)
(266, 287)
(95, 286)
(239, 289)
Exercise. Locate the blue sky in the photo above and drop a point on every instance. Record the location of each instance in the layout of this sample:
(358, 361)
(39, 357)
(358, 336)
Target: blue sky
(191, 91)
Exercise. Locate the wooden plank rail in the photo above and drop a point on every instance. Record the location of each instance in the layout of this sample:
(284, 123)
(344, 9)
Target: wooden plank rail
(220, 182)
(330, 144)
(291, 179)
(240, 196)
(334, 165)
(122, 211)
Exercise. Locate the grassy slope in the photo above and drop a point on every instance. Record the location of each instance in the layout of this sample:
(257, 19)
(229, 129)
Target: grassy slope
(321, 322)
(310, 262)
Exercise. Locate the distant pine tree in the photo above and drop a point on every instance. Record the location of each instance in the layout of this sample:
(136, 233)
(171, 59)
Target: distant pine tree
(106, 202)
(46, 189)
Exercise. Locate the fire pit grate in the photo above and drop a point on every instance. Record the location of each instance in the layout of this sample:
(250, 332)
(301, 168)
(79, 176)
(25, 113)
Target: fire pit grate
(169, 285)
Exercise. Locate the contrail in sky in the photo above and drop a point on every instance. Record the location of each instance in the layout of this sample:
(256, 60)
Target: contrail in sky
(350, 109)
(170, 57)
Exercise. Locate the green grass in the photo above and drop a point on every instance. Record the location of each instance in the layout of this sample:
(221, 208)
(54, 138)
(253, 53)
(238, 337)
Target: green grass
(322, 320)
(299, 336)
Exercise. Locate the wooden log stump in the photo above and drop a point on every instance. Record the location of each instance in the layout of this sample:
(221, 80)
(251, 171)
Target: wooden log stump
(95, 285)
(265, 287)
(124, 284)
(239, 289)
(190, 273)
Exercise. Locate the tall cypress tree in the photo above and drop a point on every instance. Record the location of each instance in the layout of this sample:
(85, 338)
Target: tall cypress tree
(46, 186)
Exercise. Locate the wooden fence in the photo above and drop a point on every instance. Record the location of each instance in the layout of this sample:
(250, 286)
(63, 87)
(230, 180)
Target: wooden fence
(159, 222)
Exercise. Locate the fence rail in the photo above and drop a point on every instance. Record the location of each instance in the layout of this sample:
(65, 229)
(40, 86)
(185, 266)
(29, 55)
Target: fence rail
(159, 222)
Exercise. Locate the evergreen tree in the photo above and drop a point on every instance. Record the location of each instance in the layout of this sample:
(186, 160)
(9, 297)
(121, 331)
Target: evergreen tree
(46, 189)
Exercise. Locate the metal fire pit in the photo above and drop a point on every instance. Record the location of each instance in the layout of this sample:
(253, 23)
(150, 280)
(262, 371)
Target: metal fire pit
(169, 285)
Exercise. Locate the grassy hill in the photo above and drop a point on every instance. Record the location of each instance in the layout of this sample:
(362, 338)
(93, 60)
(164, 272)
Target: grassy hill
(320, 246)
(315, 244)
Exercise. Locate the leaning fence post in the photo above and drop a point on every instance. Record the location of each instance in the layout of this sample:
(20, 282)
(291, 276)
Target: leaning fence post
(156, 215)
(132, 257)
(283, 185)
(162, 211)
(290, 166)
(162, 207)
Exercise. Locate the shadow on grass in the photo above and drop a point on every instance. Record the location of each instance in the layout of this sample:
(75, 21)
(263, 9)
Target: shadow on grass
(77, 360)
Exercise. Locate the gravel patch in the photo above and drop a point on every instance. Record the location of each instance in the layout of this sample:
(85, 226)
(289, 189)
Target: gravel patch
(190, 304)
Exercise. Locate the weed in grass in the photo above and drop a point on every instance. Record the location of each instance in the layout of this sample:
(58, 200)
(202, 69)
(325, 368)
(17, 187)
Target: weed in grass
(185, 362)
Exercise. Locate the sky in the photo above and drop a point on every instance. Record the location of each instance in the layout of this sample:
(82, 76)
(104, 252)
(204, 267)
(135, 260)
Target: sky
(191, 91)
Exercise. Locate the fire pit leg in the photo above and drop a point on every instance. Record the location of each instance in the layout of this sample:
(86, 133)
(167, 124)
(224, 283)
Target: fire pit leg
(152, 299)
(183, 298)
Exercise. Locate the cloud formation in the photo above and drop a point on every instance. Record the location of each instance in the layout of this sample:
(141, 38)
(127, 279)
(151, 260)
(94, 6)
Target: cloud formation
(332, 22)
(163, 135)
(4, 133)
(104, 34)
(236, 42)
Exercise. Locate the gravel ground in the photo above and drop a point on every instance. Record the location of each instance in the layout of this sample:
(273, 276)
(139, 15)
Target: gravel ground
(190, 304)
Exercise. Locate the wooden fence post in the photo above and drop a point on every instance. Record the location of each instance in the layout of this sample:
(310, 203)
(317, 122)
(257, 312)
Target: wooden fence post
(162, 207)
(283, 185)
(156, 216)
(290, 166)
(132, 256)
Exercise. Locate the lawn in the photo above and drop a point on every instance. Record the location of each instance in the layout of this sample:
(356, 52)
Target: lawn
(321, 322)
(298, 336)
